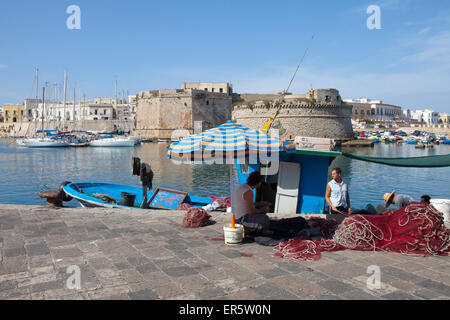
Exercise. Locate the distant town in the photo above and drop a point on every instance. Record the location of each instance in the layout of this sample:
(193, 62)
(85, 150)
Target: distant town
(157, 113)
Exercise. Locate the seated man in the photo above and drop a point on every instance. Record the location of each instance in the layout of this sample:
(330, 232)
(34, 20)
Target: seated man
(425, 199)
(251, 215)
(399, 200)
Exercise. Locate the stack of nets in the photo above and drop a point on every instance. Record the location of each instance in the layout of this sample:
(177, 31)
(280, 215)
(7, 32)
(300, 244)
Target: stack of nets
(195, 218)
(417, 229)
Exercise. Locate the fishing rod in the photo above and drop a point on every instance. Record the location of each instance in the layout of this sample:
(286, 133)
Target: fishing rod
(269, 123)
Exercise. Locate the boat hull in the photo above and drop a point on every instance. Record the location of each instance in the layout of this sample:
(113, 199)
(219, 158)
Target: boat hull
(44, 144)
(113, 143)
(83, 192)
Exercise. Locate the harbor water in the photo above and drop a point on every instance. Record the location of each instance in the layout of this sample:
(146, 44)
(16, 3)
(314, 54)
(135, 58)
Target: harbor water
(25, 172)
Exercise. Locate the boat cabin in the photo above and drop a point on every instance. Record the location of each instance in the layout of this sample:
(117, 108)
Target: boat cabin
(298, 185)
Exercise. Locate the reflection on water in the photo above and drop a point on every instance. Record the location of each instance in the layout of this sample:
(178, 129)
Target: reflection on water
(25, 172)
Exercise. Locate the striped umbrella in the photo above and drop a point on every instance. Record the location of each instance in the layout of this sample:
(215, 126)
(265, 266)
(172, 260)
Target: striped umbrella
(229, 140)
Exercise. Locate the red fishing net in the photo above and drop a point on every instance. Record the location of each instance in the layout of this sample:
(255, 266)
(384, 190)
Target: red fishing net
(195, 218)
(417, 229)
(223, 202)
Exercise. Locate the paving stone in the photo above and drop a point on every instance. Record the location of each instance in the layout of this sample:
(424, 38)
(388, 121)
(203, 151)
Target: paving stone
(270, 290)
(435, 286)
(426, 294)
(122, 265)
(137, 261)
(271, 273)
(399, 295)
(336, 286)
(145, 268)
(328, 297)
(179, 271)
(66, 252)
(400, 274)
(230, 253)
(37, 249)
(8, 285)
(14, 252)
(147, 294)
(358, 294)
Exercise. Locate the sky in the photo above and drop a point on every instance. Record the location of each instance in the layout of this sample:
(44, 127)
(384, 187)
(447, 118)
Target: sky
(255, 45)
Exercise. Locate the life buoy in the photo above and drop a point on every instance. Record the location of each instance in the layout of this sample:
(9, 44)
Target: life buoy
(65, 197)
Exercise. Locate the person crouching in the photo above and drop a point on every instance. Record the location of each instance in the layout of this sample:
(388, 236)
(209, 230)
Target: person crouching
(252, 215)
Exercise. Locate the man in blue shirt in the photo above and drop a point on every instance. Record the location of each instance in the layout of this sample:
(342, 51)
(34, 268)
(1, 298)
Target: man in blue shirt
(336, 194)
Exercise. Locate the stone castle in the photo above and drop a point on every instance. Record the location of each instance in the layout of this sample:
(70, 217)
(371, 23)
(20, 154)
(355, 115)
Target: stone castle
(160, 112)
(318, 113)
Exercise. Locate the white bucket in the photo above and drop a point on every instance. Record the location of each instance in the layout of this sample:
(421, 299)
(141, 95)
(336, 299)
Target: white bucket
(442, 205)
(233, 235)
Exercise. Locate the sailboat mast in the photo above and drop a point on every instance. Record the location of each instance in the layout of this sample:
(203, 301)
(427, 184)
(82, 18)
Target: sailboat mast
(65, 95)
(43, 107)
(36, 111)
(73, 120)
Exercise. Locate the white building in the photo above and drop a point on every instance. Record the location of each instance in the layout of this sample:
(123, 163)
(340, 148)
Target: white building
(427, 115)
(379, 111)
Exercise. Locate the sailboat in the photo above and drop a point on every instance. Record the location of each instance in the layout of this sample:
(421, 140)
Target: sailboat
(116, 140)
(44, 142)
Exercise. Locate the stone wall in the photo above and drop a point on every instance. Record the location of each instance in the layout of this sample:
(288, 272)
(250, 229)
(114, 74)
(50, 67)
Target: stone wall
(159, 113)
(324, 119)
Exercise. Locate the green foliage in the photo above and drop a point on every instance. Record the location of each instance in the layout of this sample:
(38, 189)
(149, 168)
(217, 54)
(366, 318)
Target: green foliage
(200, 95)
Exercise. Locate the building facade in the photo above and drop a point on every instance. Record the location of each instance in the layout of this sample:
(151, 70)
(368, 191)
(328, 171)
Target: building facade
(218, 87)
(367, 109)
(427, 116)
(14, 113)
(444, 118)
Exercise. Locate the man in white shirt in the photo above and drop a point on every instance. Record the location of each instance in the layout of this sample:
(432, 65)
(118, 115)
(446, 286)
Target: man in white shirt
(337, 195)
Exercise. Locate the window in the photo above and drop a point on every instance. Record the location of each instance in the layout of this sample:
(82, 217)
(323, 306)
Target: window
(206, 89)
(356, 111)
(207, 102)
(221, 90)
(362, 112)
(96, 111)
(212, 90)
(104, 111)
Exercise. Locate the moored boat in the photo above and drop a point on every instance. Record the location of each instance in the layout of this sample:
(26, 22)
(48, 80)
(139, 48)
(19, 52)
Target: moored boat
(44, 143)
(107, 195)
(111, 141)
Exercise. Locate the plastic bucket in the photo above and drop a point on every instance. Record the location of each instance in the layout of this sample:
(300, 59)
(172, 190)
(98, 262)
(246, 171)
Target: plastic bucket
(442, 205)
(233, 235)
(127, 199)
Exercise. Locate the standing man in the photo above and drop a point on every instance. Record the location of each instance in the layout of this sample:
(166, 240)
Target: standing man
(337, 194)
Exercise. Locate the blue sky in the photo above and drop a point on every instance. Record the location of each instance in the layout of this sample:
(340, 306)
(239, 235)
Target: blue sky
(255, 45)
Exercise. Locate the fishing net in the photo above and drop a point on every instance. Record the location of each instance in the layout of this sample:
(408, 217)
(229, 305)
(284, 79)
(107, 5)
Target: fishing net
(417, 229)
(223, 202)
(195, 218)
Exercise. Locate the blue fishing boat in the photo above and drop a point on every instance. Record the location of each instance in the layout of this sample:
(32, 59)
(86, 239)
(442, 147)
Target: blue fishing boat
(107, 195)
(411, 141)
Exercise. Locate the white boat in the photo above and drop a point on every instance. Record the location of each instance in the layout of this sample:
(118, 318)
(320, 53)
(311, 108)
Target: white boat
(44, 143)
(114, 142)
(20, 142)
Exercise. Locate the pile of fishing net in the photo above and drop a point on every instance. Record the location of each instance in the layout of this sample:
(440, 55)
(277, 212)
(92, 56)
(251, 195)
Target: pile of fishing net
(417, 229)
(195, 218)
